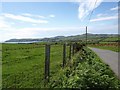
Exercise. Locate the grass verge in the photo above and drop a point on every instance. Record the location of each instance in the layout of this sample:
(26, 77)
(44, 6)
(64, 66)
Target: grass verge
(85, 71)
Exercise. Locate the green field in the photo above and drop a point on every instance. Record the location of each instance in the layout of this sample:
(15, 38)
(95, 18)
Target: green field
(23, 67)
(0, 65)
(111, 39)
(110, 43)
(112, 48)
(23, 64)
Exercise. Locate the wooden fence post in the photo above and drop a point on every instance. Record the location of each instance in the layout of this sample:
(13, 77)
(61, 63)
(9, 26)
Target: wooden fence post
(47, 62)
(70, 52)
(15, 81)
(73, 48)
(86, 35)
(64, 54)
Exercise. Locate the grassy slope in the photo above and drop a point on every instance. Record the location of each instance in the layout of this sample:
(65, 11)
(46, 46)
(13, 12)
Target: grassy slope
(25, 67)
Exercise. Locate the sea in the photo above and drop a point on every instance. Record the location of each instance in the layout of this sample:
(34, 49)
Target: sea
(21, 42)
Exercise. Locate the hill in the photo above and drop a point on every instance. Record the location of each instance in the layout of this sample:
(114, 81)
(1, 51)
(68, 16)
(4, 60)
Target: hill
(91, 37)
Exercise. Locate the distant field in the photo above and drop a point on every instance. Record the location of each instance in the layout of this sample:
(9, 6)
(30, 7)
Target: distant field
(110, 43)
(0, 50)
(114, 46)
(0, 46)
(23, 64)
(111, 39)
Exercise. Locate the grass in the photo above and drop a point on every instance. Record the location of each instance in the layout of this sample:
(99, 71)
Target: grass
(112, 48)
(111, 39)
(110, 43)
(0, 65)
(106, 47)
(23, 64)
(23, 67)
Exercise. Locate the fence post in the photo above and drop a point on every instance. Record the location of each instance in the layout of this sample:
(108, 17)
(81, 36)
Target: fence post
(86, 35)
(64, 54)
(47, 62)
(15, 81)
(73, 47)
(70, 52)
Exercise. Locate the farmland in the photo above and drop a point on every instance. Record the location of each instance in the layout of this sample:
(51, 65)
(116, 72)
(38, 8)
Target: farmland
(72, 44)
(110, 43)
(0, 65)
(107, 46)
(23, 67)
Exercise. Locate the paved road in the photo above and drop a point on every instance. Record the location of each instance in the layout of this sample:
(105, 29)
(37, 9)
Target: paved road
(108, 57)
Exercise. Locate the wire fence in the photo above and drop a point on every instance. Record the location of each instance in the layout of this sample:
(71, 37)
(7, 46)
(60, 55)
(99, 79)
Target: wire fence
(35, 69)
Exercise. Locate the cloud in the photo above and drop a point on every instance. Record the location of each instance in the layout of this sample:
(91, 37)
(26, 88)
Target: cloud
(102, 15)
(104, 18)
(3, 23)
(8, 29)
(38, 16)
(32, 15)
(86, 7)
(24, 18)
(37, 32)
(115, 8)
(103, 29)
(27, 14)
(52, 16)
(51, 0)
(99, 15)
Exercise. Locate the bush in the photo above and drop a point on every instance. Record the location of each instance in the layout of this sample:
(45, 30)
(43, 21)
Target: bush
(87, 72)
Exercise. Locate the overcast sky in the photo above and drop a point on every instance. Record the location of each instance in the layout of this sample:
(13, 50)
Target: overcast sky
(49, 19)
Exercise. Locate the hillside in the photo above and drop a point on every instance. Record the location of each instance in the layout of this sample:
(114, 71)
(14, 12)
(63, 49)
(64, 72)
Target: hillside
(91, 37)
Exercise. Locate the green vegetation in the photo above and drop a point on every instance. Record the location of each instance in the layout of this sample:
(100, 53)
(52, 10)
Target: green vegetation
(23, 67)
(0, 65)
(94, 38)
(106, 47)
(23, 64)
(110, 43)
(85, 71)
(111, 39)
(0, 51)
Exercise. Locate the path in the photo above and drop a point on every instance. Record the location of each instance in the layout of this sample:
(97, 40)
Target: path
(108, 57)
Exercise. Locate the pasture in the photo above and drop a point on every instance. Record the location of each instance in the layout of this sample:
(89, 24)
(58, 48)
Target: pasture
(23, 64)
(110, 43)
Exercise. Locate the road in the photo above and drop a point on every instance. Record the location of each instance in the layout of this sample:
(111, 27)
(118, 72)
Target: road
(108, 57)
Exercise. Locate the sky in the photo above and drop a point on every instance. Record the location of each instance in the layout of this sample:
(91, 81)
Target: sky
(49, 19)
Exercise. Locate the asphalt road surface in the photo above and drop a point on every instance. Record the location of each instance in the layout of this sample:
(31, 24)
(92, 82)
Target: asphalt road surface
(110, 58)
